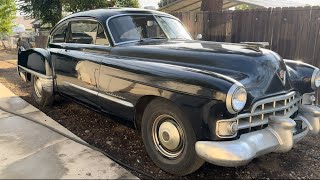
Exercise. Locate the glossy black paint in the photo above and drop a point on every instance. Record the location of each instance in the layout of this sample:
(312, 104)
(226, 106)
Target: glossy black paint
(251, 66)
(194, 75)
(301, 74)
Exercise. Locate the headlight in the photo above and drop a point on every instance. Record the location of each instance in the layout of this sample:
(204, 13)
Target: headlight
(315, 79)
(236, 98)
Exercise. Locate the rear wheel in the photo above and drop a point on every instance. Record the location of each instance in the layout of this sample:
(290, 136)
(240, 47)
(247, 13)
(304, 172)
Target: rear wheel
(169, 138)
(41, 94)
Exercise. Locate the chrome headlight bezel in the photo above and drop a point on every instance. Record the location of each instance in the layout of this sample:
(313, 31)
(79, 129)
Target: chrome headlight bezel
(315, 79)
(231, 99)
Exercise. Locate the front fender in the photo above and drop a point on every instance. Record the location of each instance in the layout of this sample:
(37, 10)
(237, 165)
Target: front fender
(300, 75)
(166, 77)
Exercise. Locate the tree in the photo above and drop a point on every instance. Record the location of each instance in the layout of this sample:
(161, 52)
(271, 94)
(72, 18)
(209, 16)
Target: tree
(212, 5)
(7, 14)
(83, 5)
(48, 11)
(127, 3)
(243, 7)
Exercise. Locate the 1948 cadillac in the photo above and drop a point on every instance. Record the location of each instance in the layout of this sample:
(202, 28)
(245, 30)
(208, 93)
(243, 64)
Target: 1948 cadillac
(194, 101)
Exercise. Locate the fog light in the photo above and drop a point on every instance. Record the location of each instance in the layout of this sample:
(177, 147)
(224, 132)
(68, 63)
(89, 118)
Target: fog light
(227, 128)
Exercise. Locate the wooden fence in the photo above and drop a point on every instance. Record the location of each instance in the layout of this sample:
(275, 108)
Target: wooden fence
(294, 33)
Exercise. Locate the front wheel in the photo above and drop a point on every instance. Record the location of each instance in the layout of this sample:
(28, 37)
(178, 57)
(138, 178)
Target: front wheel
(169, 138)
(42, 95)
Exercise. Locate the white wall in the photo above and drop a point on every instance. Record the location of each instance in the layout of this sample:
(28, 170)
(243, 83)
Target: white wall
(144, 3)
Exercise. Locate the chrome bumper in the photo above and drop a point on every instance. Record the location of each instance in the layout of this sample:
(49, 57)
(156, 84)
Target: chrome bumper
(278, 137)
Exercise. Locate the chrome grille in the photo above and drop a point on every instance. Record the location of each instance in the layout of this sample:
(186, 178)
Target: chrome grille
(285, 105)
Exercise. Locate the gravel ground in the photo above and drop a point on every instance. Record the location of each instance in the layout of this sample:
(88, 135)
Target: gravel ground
(113, 136)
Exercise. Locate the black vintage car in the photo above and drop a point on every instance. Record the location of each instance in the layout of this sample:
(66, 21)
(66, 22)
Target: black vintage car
(194, 101)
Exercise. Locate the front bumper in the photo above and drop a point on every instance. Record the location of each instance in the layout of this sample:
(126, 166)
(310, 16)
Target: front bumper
(279, 136)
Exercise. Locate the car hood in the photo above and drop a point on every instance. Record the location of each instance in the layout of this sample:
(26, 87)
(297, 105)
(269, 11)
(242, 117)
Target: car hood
(256, 68)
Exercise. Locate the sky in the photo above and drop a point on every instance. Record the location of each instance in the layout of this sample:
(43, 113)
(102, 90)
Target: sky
(144, 3)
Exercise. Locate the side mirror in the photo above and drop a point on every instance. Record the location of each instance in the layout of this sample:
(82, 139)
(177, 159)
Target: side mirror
(199, 37)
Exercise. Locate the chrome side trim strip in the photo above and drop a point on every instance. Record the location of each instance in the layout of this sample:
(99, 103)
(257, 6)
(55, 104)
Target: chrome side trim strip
(119, 101)
(35, 73)
(105, 96)
(81, 88)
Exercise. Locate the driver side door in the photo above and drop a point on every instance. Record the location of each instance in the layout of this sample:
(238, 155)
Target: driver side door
(77, 65)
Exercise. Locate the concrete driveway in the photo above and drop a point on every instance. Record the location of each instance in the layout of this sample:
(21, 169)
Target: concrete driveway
(31, 151)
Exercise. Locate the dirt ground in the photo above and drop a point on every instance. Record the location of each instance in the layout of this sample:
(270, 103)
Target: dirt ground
(125, 143)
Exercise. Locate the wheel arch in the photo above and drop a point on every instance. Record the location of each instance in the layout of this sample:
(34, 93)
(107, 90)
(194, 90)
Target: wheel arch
(195, 108)
(141, 105)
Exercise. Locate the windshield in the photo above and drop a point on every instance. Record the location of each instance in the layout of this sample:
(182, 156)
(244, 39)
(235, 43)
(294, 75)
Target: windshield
(138, 27)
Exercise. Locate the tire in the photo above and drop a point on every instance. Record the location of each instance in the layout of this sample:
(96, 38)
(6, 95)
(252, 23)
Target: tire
(160, 124)
(40, 94)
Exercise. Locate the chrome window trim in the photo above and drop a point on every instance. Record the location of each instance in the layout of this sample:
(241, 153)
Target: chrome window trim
(105, 96)
(56, 28)
(136, 14)
(313, 78)
(67, 21)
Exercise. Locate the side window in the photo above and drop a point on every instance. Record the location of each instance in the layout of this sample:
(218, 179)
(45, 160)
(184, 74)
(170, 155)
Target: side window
(60, 34)
(87, 32)
(83, 32)
(101, 37)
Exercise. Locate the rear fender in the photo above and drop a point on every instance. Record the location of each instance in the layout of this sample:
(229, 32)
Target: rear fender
(35, 61)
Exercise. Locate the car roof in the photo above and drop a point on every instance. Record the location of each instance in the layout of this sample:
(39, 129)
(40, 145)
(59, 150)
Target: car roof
(103, 14)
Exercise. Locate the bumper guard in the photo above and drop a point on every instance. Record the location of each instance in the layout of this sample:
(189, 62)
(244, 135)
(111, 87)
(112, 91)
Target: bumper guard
(278, 137)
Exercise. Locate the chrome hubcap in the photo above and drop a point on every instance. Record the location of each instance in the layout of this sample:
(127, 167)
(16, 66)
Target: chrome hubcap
(168, 136)
(37, 87)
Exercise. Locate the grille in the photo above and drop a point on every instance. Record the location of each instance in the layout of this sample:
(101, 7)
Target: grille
(285, 105)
